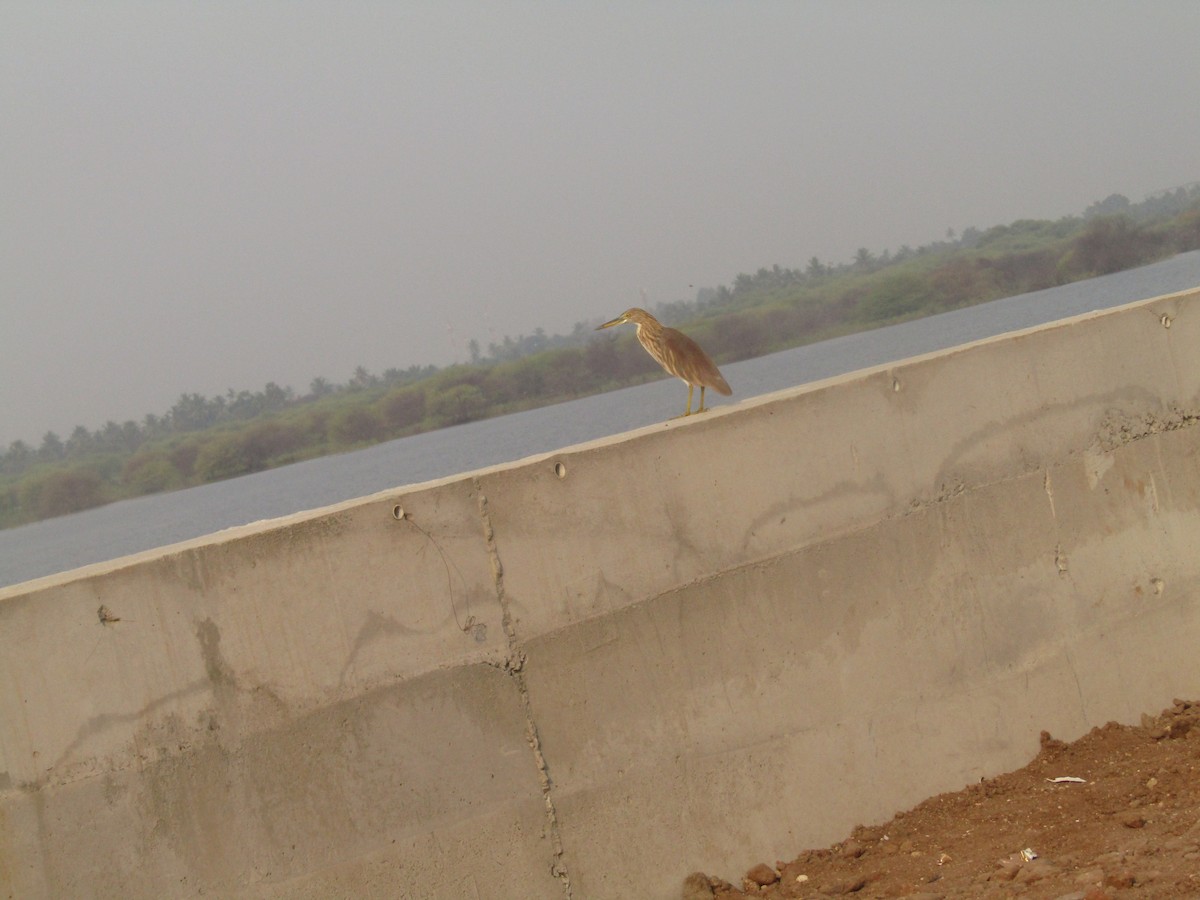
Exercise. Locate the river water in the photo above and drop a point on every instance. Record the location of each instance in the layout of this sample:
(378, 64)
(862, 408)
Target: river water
(95, 535)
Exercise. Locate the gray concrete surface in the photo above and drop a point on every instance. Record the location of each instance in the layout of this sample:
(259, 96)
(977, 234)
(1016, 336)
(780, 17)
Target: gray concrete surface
(584, 675)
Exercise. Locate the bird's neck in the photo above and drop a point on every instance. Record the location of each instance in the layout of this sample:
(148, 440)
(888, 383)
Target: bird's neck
(651, 330)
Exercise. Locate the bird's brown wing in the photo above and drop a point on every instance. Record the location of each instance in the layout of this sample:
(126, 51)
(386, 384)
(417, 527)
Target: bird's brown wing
(684, 359)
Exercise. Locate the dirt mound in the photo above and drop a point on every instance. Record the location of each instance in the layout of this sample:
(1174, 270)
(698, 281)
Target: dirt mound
(1114, 814)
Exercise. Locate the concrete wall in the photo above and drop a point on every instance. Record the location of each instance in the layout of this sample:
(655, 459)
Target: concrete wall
(698, 645)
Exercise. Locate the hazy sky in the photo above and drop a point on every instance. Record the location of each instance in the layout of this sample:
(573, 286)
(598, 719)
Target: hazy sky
(198, 196)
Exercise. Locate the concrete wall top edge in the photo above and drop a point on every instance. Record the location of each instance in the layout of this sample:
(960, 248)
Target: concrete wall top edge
(389, 497)
(858, 374)
(393, 495)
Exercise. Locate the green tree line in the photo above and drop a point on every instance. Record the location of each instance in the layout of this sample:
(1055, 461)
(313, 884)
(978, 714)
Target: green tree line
(202, 439)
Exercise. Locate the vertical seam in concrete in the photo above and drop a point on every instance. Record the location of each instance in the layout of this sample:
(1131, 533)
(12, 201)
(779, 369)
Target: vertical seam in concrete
(514, 665)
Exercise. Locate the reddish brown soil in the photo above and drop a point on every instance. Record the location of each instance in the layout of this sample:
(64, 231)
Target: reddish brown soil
(1132, 829)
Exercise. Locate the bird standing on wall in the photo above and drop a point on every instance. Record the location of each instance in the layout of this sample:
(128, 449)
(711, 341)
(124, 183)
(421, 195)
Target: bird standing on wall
(675, 352)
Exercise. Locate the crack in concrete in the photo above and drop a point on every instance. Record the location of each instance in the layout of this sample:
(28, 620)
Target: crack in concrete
(514, 665)
(1120, 427)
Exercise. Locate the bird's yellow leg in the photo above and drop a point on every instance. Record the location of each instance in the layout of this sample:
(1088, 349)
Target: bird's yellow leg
(701, 409)
(688, 411)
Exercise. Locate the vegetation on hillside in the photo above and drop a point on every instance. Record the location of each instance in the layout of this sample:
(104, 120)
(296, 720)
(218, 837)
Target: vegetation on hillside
(202, 439)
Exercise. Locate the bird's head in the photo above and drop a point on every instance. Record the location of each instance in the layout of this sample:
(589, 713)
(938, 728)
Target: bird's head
(638, 316)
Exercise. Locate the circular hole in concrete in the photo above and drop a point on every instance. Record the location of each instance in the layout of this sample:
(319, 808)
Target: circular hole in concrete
(397, 512)
(560, 470)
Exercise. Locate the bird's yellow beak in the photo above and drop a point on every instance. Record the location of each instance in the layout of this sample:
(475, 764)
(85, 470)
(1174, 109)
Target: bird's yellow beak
(619, 320)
